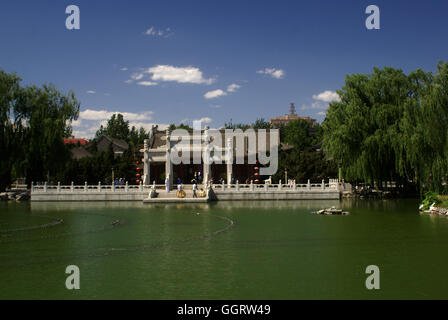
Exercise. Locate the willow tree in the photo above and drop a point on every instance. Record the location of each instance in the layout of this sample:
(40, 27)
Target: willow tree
(33, 122)
(423, 139)
(390, 126)
(49, 115)
(360, 130)
(10, 125)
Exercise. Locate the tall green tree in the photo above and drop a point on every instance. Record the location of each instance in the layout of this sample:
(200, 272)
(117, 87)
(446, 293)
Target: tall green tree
(299, 134)
(11, 125)
(33, 122)
(261, 124)
(116, 128)
(49, 115)
(390, 126)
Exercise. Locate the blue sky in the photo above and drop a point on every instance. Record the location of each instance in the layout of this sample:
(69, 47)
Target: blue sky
(171, 61)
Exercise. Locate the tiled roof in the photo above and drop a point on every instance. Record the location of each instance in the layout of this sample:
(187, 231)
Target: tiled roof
(75, 141)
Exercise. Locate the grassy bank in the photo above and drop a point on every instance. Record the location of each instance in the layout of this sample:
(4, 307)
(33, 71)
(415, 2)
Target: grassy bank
(440, 201)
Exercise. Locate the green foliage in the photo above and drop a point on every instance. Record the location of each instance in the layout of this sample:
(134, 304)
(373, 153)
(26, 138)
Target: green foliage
(258, 124)
(33, 123)
(49, 113)
(390, 126)
(234, 126)
(303, 162)
(116, 128)
(136, 138)
(98, 168)
(261, 124)
(430, 198)
(303, 165)
(300, 134)
(11, 125)
(180, 126)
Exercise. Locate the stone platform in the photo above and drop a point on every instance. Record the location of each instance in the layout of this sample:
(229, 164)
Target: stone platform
(217, 192)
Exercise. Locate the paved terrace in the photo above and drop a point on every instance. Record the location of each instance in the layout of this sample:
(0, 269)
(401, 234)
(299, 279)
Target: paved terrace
(307, 191)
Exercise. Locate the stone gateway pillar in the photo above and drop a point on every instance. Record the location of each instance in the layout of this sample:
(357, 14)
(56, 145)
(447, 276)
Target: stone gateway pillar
(206, 157)
(146, 165)
(168, 163)
(229, 160)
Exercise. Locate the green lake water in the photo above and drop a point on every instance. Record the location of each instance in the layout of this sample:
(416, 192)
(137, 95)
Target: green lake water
(224, 250)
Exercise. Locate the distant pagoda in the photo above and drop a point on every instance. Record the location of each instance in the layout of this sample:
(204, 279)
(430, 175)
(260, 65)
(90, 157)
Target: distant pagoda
(284, 120)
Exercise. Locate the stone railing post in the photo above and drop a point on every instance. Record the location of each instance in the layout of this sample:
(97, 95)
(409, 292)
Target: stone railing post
(308, 184)
(294, 186)
(86, 188)
(126, 188)
(59, 186)
(224, 185)
(237, 185)
(72, 187)
(141, 186)
(251, 185)
(99, 186)
(323, 184)
(280, 185)
(45, 186)
(32, 186)
(266, 187)
(112, 187)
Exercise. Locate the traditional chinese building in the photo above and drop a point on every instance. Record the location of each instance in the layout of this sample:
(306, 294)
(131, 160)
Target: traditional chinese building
(158, 162)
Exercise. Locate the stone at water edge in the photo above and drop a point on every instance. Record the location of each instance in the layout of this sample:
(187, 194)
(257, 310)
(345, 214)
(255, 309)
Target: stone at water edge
(23, 196)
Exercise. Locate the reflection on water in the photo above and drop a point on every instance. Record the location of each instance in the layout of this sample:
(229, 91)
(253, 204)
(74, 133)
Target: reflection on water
(275, 250)
(219, 205)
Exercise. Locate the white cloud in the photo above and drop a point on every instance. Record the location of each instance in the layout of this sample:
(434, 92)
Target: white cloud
(158, 33)
(327, 96)
(137, 76)
(147, 83)
(91, 92)
(89, 121)
(178, 74)
(75, 122)
(190, 121)
(319, 105)
(214, 94)
(205, 120)
(274, 73)
(124, 69)
(322, 102)
(147, 126)
(233, 87)
(90, 114)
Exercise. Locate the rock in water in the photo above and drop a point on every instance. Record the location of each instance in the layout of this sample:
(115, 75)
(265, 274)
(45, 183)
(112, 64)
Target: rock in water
(332, 211)
(24, 196)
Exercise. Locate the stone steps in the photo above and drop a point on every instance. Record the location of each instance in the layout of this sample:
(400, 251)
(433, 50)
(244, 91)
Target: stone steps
(173, 194)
